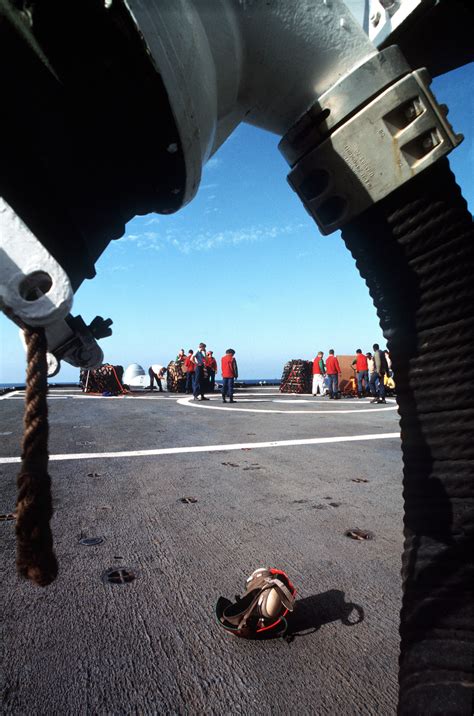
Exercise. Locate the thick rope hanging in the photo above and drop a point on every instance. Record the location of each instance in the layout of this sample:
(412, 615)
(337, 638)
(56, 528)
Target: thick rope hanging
(35, 557)
(415, 250)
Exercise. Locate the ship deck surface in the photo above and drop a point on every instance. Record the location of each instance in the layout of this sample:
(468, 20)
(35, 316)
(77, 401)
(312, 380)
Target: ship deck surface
(277, 480)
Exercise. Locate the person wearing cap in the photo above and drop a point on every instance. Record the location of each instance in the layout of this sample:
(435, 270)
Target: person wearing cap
(199, 360)
(156, 372)
(229, 373)
(211, 367)
(381, 369)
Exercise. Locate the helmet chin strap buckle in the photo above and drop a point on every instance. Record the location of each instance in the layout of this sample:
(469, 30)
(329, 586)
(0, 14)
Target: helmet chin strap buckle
(268, 598)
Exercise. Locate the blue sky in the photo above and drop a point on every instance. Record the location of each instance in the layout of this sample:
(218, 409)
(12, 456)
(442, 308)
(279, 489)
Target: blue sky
(242, 266)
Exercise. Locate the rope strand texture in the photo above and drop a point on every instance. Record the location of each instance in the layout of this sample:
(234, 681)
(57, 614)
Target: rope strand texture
(415, 250)
(35, 557)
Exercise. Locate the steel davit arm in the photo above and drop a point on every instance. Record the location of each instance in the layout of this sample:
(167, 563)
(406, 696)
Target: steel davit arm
(120, 125)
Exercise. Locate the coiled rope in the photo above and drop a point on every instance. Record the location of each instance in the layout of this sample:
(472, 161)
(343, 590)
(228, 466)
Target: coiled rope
(35, 557)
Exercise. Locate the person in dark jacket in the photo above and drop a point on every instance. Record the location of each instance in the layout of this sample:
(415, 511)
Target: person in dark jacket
(199, 360)
(381, 368)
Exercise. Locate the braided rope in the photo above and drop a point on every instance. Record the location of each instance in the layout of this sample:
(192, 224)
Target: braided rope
(416, 252)
(35, 556)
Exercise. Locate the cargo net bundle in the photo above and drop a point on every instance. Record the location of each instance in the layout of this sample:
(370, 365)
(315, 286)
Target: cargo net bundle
(105, 379)
(297, 377)
(176, 377)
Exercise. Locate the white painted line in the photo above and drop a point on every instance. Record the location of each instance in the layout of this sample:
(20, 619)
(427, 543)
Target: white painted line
(87, 396)
(65, 390)
(13, 394)
(189, 402)
(240, 398)
(50, 397)
(19, 395)
(142, 394)
(210, 448)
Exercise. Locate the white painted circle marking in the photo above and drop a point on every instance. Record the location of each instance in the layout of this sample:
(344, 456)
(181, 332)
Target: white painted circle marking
(190, 402)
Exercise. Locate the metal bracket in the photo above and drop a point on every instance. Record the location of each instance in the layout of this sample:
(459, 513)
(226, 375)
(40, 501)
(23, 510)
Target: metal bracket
(71, 340)
(36, 291)
(385, 16)
(33, 287)
(393, 138)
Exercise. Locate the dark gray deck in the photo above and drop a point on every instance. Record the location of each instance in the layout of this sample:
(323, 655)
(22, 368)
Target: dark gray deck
(83, 646)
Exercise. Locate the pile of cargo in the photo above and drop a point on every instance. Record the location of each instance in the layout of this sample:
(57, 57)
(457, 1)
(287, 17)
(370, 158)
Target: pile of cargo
(105, 379)
(176, 377)
(297, 377)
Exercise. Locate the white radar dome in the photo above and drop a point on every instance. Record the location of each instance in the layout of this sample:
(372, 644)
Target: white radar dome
(135, 376)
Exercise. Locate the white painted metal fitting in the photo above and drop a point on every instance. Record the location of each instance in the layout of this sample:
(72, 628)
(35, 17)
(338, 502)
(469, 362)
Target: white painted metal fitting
(33, 286)
(228, 61)
(388, 15)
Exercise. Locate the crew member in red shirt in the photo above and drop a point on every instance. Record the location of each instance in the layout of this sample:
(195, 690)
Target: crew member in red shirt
(211, 366)
(229, 373)
(189, 365)
(318, 374)
(362, 371)
(333, 370)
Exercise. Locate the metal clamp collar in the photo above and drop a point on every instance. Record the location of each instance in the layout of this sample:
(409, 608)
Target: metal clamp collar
(342, 100)
(386, 143)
